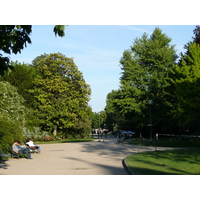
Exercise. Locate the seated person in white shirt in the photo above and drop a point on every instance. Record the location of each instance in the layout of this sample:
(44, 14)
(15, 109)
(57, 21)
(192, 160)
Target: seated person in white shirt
(30, 143)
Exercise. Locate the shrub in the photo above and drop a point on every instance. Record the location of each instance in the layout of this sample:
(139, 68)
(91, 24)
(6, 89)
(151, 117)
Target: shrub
(36, 133)
(11, 103)
(9, 131)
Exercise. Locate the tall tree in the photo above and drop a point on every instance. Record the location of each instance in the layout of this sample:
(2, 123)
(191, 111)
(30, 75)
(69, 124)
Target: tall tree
(145, 69)
(62, 94)
(196, 37)
(187, 81)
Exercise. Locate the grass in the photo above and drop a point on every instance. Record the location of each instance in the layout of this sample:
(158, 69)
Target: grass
(167, 142)
(66, 141)
(171, 162)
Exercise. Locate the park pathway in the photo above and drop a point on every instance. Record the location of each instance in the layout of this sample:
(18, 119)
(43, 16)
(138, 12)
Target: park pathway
(83, 158)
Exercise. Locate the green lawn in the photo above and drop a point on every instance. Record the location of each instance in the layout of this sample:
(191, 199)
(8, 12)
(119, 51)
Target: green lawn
(171, 162)
(167, 142)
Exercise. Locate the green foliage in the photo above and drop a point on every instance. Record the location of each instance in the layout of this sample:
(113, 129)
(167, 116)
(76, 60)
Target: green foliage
(186, 79)
(22, 77)
(196, 32)
(9, 131)
(54, 93)
(99, 119)
(59, 30)
(149, 71)
(12, 117)
(4, 65)
(35, 133)
(11, 104)
(61, 95)
(13, 39)
(145, 75)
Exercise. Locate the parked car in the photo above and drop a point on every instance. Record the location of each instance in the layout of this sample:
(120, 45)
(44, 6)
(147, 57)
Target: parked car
(129, 133)
(115, 133)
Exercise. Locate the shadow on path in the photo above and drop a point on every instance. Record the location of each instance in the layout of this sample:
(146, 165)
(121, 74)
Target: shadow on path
(107, 169)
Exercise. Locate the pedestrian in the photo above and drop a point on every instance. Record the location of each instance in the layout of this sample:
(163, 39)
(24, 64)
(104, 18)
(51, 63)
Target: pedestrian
(156, 136)
(101, 133)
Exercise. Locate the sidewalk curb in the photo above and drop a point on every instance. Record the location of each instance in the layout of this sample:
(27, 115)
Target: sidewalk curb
(127, 168)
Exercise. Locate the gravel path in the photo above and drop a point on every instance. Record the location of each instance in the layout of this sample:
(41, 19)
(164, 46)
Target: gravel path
(83, 158)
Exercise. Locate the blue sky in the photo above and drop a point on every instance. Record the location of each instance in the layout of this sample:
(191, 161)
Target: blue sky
(96, 50)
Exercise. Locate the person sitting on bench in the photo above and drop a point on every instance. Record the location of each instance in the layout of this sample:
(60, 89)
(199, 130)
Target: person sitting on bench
(32, 145)
(17, 149)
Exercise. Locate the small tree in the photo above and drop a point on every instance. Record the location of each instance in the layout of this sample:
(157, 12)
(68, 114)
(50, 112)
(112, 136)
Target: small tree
(12, 104)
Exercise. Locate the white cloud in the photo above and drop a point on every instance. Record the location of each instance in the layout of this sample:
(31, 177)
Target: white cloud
(137, 29)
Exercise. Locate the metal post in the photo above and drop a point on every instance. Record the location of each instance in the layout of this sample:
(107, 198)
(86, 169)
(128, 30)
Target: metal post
(99, 120)
(150, 121)
(99, 127)
(150, 102)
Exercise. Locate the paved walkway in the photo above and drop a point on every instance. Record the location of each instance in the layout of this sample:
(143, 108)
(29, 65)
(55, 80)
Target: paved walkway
(83, 158)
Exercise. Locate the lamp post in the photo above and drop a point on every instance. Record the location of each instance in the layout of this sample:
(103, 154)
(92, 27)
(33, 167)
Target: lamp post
(99, 120)
(99, 126)
(150, 102)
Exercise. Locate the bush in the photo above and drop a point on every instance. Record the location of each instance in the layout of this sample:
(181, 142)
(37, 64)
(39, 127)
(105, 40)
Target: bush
(12, 104)
(9, 131)
(37, 134)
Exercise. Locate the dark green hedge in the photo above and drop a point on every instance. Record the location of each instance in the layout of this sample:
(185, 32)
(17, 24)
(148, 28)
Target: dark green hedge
(9, 131)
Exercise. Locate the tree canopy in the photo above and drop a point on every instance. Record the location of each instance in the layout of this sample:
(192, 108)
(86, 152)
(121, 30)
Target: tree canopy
(187, 81)
(150, 71)
(61, 93)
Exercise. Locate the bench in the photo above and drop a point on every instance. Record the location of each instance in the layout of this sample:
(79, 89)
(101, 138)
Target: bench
(14, 154)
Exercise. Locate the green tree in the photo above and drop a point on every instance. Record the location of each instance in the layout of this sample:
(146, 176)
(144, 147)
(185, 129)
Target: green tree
(62, 95)
(187, 80)
(114, 117)
(22, 77)
(145, 75)
(95, 120)
(99, 119)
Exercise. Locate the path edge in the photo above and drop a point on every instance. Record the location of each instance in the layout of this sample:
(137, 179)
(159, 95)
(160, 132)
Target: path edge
(127, 168)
